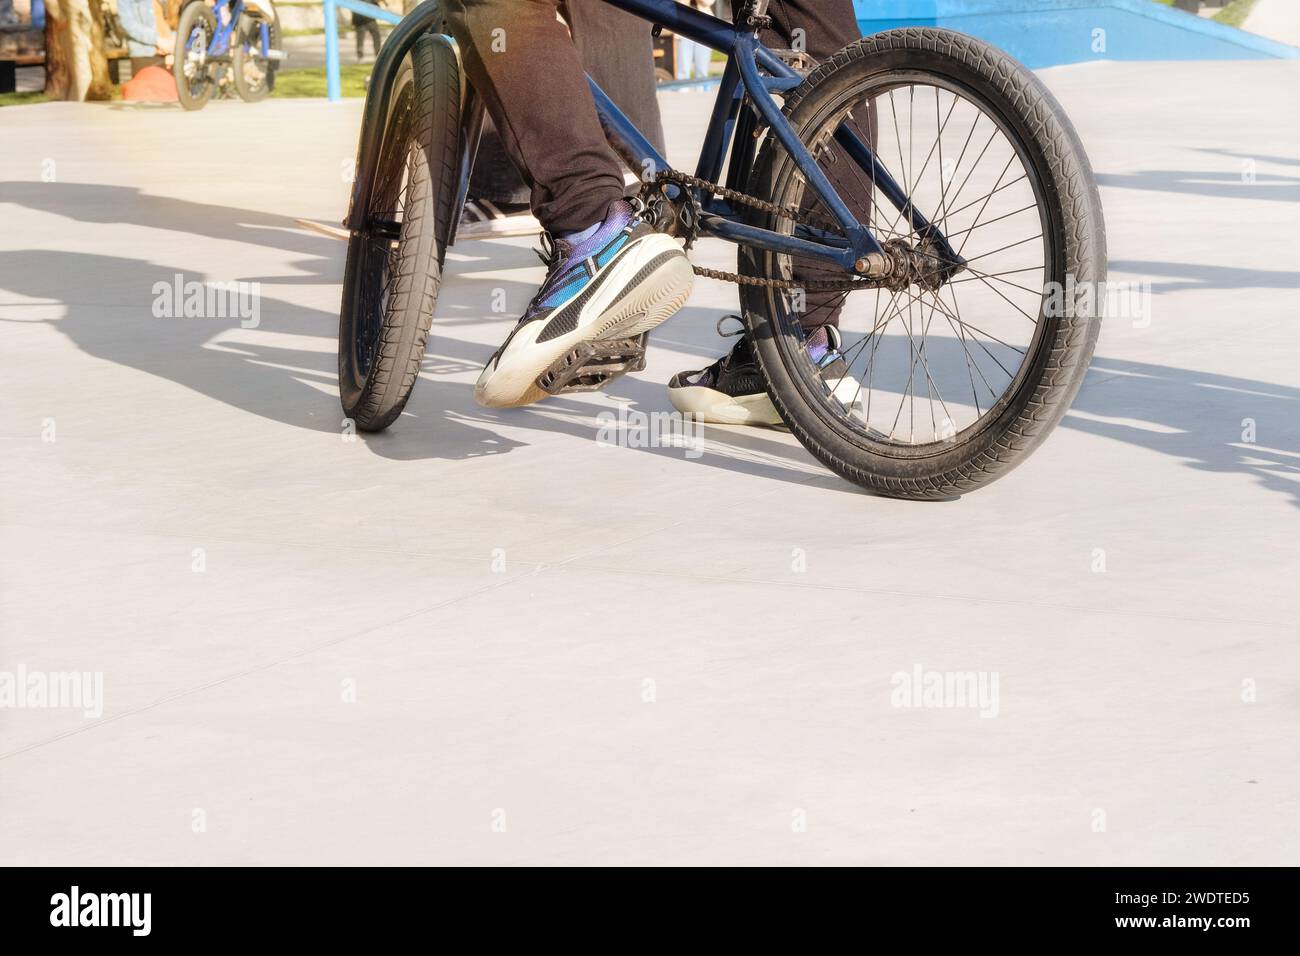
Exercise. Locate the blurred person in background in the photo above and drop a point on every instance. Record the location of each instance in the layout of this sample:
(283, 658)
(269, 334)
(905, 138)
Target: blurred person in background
(171, 10)
(691, 57)
(149, 40)
(366, 26)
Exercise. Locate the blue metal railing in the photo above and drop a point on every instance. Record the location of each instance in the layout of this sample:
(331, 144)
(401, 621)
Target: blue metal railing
(334, 88)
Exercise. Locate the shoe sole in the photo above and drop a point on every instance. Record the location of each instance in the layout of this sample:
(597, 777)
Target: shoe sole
(718, 408)
(710, 406)
(642, 301)
(498, 228)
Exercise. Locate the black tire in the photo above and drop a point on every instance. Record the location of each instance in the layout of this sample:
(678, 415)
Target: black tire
(277, 43)
(254, 75)
(1059, 346)
(195, 82)
(390, 287)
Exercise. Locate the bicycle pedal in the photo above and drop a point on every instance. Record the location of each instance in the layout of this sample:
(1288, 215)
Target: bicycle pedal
(589, 366)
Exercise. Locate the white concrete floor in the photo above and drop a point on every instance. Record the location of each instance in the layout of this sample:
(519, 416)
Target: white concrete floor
(1276, 19)
(612, 654)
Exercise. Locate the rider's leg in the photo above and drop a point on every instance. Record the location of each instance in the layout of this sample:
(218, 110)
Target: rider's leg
(731, 389)
(610, 276)
(521, 59)
(617, 51)
(825, 27)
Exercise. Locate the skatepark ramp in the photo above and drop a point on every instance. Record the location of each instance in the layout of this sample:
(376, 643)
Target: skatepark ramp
(1043, 33)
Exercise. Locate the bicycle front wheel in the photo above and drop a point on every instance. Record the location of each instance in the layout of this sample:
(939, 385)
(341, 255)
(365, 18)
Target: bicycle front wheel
(394, 266)
(960, 366)
(194, 31)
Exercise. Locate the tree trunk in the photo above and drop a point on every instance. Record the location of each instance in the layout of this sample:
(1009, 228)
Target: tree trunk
(75, 67)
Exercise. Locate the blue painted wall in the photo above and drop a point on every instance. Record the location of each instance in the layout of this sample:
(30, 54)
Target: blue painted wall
(1050, 32)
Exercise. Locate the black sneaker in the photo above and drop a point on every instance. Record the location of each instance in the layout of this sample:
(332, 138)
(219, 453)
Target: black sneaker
(731, 390)
(484, 219)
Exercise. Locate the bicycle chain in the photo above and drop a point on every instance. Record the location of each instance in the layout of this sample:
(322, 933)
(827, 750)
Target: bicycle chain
(686, 180)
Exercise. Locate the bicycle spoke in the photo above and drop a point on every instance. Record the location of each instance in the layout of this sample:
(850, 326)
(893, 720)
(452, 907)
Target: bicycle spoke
(988, 222)
(985, 255)
(969, 325)
(959, 329)
(930, 382)
(1007, 185)
(987, 199)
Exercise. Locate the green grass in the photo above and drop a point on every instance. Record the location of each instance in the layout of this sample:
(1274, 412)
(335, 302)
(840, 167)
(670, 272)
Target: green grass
(18, 99)
(384, 30)
(311, 81)
(288, 83)
(1235, 13)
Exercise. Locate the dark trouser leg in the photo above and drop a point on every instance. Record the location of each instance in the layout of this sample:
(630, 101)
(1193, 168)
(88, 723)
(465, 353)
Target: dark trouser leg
(522, 61)
(617, 51)
(825, 26)
(495, 177)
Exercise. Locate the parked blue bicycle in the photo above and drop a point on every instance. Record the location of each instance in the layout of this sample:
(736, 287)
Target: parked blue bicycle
(235, 41)
(920, 186)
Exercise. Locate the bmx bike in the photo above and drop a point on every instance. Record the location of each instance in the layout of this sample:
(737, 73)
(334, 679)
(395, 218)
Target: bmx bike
(919, 187)
(239, 36)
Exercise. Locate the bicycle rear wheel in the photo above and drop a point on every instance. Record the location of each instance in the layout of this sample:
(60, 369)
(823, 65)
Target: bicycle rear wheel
(394, 267)
(960, 373)
(254, 73)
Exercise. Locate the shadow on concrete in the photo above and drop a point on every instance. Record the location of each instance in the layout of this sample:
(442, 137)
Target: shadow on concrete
(92, 203)
(1189, 275)
(107, 303)
(1199, 418)
(1216, 183)
(1237, 154)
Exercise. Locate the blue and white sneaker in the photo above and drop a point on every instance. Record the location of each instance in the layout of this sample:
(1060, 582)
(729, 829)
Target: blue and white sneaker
(623, 280)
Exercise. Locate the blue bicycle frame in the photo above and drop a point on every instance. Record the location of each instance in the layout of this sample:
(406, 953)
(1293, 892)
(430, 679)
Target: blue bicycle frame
(752, 71)
(220, 43)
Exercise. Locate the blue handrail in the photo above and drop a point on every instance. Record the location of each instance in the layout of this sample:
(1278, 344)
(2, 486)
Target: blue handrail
(334, 88)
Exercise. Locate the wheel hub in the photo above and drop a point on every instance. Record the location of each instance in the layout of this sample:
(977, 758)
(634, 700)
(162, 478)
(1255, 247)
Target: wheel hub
(922, 264)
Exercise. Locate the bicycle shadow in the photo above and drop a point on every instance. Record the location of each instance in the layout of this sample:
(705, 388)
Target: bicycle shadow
(1253, 157)
(1211, 422)
(1196, 276)
(1193, 416)
(106, 305)
(112, 205)
(1217, 184)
